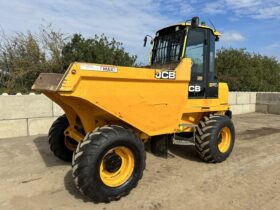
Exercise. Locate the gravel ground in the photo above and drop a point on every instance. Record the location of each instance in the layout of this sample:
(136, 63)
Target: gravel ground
(32, 178)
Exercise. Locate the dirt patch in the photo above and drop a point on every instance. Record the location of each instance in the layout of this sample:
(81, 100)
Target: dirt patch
(251, 134)
(32, 178)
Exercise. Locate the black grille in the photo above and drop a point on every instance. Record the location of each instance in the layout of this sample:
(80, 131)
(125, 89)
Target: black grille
(168, 47)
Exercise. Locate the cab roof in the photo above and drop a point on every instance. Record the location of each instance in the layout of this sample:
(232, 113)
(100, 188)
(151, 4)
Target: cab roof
(216, 33)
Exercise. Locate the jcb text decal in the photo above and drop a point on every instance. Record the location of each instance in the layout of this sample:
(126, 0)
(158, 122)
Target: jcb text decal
(166, 75)
(194, 88)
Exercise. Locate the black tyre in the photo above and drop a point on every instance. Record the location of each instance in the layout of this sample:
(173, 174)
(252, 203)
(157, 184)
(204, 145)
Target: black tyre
(214, 140)
(57, 139)
(108, 163)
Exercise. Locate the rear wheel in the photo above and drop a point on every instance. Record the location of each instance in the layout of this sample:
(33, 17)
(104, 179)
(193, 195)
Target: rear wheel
(61, 145)
(215, 136)
(108, 163)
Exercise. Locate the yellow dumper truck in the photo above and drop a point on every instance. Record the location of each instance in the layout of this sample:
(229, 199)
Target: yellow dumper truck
(111, 111)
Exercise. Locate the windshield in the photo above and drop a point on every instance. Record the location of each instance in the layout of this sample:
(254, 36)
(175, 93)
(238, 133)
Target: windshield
(168, 45)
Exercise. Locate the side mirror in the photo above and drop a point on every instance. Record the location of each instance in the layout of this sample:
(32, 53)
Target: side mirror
(195, 22)
(145, 41)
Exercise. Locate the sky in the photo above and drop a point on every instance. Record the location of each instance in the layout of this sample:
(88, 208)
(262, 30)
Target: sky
(250, 24)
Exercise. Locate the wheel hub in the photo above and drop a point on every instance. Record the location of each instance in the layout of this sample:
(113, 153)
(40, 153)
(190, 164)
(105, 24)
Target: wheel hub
(112, 162)
(117, 166)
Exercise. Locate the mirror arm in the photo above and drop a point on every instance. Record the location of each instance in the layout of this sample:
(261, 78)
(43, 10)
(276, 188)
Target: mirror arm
(146, 38)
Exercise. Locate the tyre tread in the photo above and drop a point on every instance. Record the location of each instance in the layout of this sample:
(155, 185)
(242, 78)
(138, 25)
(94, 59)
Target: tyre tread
(204, 132)
(56, 146)
(96, 139)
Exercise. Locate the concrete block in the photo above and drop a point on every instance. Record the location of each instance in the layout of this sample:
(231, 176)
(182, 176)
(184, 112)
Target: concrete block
(25, 106)
(263, 108)
(253, 97)
(13, 128)
(57, 110)
(243, 108)
(232, 98)
(261, 98)
(236, 109)
(38, 126)
(274, 108)
(268, 98)
(248, 108)
(242, 97)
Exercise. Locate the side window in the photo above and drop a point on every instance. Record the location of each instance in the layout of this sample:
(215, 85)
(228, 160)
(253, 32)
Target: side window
(195, 50)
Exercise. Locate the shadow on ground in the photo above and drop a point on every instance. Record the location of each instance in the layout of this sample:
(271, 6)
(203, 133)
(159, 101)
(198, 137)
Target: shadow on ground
(185, 151)
(48, 157)
(71, 188)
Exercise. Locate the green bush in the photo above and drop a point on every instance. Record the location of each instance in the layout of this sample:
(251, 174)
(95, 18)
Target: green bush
(97, 50)
(245, 71)
(24, 56)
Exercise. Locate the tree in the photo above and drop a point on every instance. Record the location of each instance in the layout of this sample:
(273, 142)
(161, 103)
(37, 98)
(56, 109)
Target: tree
(96, 50)
(24, 56)
(246, 71)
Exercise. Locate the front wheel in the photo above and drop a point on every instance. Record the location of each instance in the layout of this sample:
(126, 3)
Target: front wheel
(108, 163)
(215, 136)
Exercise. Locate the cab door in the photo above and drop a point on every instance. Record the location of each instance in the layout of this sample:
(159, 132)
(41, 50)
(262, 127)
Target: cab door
(201, 49)
(211, 73)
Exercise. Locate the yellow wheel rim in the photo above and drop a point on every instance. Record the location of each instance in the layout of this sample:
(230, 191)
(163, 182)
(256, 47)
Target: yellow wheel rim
(225, 140)
(69, 145)
(117, 166)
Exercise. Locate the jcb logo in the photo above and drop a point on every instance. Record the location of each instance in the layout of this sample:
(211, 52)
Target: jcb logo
(194, 88)
(166, 75)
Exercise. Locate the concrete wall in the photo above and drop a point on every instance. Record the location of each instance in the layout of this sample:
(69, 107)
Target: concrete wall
(268, 103)
(242, 102)
(24, 115)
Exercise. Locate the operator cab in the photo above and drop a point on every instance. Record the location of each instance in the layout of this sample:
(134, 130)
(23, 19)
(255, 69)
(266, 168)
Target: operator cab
(189, 40)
